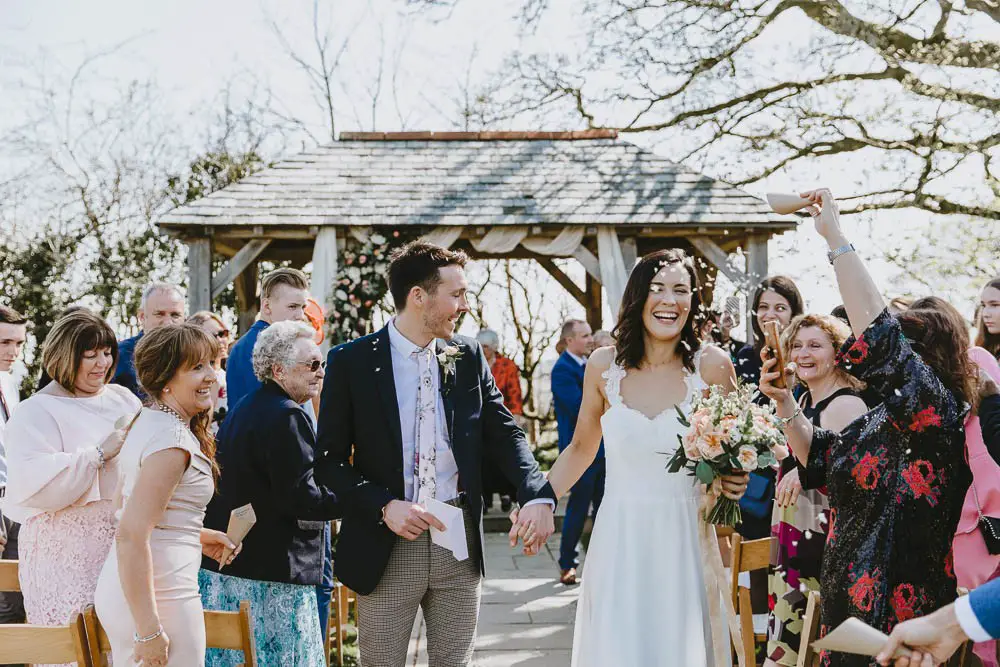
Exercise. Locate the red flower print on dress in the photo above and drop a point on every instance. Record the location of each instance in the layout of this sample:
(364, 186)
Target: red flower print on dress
(856, 353)
(831, 534)
(906, 601)
(949, 564)
(924, 419)
(921, 478)
(868, 471)
(865, 588)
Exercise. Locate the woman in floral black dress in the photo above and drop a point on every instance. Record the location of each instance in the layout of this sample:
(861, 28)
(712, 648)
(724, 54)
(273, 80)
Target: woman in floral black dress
(896, 477)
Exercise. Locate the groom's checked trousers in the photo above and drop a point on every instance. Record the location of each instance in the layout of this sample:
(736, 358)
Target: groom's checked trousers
(423, 575)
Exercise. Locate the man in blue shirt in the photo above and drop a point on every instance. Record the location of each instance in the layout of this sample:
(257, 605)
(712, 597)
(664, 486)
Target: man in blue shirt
(934, 638)
(162, 303)
(283, 294)
(567, 395)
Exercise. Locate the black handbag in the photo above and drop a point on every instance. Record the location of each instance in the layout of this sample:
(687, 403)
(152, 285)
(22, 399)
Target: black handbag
(989, 526)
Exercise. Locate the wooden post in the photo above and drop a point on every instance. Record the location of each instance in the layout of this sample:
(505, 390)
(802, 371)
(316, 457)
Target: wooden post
(199, 274)
(594, 304)
(246, 297)
(756, 253)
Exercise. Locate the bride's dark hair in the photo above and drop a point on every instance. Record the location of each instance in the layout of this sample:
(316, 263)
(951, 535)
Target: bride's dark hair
(629, 332)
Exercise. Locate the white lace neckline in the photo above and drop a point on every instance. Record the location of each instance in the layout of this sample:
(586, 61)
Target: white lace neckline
(615, 374)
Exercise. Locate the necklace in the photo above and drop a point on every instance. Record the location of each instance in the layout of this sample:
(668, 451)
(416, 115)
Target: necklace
(162, 407)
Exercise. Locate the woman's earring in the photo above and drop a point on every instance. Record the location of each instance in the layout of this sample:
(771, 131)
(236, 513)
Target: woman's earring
(166, 390)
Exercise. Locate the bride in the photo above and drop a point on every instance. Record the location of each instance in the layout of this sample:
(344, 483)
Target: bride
(644, 599)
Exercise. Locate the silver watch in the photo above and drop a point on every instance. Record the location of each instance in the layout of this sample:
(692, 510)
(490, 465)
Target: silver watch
(842, 250)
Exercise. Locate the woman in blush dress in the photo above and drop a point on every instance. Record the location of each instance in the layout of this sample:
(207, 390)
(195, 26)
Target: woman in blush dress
(147, 597)
(62, 447)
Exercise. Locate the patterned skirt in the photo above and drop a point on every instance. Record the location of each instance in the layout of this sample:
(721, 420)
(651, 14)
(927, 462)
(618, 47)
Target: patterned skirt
(62, 554)
(801, 533)
(285, 618)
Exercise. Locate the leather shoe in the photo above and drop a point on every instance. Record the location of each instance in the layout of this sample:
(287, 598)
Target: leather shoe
(568, 577)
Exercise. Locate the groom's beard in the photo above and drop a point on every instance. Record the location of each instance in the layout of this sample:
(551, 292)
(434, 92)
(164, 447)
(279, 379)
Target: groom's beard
(438, 325)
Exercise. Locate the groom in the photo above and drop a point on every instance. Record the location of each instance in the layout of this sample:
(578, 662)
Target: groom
(419, 408)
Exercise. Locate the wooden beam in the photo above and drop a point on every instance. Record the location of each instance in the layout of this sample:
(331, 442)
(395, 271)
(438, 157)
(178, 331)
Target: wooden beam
(246, 298)
(589, 261)
(564, 280)
(595, 306)
(719, 259)
(756, 252)
(199, 263)
(243, 258)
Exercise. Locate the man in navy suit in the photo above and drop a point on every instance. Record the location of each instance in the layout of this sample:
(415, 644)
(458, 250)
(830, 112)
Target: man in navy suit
(419, 409)
(567, 394)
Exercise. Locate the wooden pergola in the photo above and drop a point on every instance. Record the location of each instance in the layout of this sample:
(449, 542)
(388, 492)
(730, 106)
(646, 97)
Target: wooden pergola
(527, 195)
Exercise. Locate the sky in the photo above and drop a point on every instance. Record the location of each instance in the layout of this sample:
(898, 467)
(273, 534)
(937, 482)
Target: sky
(193, 49)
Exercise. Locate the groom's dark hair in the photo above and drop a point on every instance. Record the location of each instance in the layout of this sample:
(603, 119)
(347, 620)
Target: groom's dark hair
(419, 264)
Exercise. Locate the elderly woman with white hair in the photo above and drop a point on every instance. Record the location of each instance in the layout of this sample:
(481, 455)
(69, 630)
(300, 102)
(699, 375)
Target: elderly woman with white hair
(266, 452)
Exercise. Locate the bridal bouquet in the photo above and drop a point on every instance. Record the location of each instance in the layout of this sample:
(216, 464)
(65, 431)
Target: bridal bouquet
(727, 434)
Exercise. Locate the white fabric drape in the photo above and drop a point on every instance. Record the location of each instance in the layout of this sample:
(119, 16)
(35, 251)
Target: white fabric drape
(613, 270)
(442, 236)
(564, 245)
(500, 240)
(324, 266)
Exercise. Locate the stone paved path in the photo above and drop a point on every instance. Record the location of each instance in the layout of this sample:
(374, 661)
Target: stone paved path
(526, 617)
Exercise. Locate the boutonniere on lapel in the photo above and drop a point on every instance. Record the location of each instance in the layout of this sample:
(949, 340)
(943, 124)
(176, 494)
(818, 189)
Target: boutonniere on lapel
(447, 359)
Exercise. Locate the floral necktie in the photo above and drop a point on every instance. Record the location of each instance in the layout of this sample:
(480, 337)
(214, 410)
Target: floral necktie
(425, 482)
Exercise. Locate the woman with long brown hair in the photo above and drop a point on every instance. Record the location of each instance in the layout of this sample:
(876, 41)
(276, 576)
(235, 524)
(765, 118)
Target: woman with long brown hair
(147, 596)
(988, 320)
(896, 477)
(644, 598)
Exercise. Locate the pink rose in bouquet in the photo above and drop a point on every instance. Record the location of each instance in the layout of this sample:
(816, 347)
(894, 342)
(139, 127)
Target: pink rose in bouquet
(727, 434)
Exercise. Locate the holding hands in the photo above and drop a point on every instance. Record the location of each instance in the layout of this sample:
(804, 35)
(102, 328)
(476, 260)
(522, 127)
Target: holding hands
(533, 525)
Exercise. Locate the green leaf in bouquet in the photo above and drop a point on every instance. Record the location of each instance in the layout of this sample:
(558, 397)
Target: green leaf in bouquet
(704, 473)
(677, 461)
(682, 418)
(766, 458)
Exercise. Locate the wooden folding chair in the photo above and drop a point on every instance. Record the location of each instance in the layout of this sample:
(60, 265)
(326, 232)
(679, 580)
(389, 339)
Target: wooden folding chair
(341, 603)
(9, 582)
(33, 644)
(747, 557)
(810, 632)
(223, 629)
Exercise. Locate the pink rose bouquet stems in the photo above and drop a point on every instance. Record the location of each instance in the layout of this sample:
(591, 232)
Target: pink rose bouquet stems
(727, 434)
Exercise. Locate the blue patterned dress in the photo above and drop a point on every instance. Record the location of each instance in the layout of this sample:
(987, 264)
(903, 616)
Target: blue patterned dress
(285, 617)
(896, 479)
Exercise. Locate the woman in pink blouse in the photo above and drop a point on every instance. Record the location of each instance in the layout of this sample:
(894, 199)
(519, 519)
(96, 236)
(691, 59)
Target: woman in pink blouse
(62, 445)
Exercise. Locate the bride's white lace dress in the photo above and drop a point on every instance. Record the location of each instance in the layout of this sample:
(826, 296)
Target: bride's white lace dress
(644, 601)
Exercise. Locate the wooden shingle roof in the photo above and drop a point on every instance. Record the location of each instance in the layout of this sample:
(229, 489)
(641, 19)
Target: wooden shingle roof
(437, 179)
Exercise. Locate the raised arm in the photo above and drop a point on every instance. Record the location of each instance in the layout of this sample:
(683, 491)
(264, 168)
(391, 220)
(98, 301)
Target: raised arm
(577, 457)
(858, 291)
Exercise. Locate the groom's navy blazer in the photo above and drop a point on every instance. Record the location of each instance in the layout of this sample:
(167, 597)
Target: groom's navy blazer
(359, 414)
